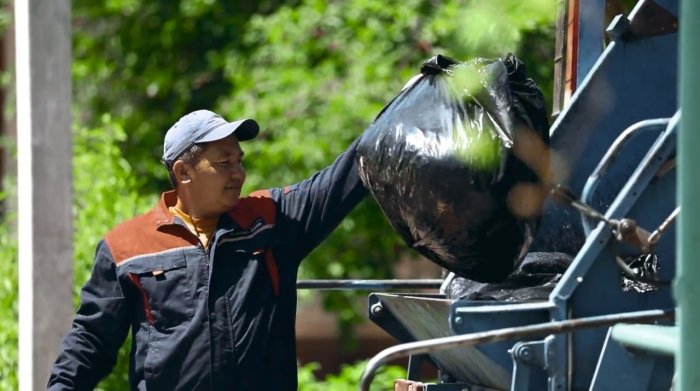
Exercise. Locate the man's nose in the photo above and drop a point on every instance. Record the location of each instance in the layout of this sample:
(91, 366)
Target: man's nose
(238, 172)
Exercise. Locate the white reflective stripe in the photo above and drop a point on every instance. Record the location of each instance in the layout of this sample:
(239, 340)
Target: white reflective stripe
(168, 251)
(238, 238)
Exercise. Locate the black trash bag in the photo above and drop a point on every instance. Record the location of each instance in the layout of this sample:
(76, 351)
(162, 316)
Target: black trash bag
(439, 161)
(533, 280)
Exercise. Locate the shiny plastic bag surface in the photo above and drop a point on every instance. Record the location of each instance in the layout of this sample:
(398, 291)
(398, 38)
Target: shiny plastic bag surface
(439, 160)
(533, 280)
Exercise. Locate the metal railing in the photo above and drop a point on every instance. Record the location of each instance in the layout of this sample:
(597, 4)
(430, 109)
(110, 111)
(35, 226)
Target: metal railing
(370, 284)
(504, 334)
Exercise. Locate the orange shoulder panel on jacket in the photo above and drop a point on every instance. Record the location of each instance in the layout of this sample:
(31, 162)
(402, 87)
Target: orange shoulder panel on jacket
(140, 236)
(257, 205)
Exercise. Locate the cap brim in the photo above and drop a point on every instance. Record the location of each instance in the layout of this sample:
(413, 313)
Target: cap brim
(244, 129)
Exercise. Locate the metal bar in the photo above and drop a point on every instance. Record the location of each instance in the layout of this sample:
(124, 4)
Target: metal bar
(686, 289)
(659, 339)
(505, 307)
(589, 189)
(369, 284)
(505, 334)
(414, 365)
(617, 369)
(628, 195)
(656, 235)
(564, 195)
(560, 59)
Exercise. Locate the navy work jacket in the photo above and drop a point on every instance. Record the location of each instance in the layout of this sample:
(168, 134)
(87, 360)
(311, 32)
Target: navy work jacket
(216, 318)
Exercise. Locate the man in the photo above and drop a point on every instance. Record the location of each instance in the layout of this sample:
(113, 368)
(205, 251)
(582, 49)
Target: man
(206, 280)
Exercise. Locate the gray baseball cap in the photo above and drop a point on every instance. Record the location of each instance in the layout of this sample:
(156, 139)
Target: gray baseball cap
(203, 126)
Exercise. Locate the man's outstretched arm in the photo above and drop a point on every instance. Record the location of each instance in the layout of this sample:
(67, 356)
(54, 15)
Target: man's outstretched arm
(311, 209)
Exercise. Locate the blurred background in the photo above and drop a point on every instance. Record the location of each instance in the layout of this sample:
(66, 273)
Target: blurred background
(314, 74)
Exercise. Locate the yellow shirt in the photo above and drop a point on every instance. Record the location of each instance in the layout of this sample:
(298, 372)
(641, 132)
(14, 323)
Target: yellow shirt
(203, 228)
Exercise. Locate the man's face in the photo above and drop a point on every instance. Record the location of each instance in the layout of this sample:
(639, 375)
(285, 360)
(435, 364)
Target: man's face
(216, 179)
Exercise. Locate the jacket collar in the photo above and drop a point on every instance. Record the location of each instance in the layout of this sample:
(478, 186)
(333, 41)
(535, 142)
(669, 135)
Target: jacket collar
(161, 213)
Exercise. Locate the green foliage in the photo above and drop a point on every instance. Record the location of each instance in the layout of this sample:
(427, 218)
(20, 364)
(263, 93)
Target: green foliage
(348, 377)
(316, 75)
(8, 301)
(105, 193)
(9, 316)
(313, 72)
(480, 149)
(105, 190)
(146, 63)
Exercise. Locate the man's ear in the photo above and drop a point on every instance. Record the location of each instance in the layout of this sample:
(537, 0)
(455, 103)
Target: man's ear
(180, 171)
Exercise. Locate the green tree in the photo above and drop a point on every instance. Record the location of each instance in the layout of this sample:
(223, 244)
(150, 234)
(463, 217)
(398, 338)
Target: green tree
(8, 303)
(313, 72)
